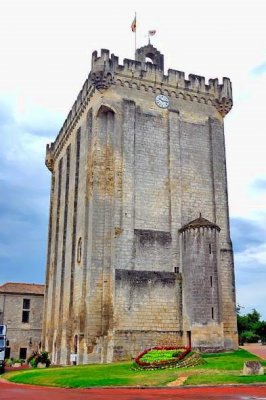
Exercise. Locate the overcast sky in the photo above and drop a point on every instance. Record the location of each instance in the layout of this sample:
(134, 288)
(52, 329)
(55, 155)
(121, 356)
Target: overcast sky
(45, 54)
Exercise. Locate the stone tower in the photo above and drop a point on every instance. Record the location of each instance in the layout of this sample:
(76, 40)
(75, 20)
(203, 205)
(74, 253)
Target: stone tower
(131, 262)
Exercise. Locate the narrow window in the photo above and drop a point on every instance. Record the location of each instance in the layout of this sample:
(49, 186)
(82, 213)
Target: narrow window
(26, 311)
(211, 280)
(26, 304)
(210, 248)
(89, 122)
(76, 344)
(25, 316)
(212, 313)
(79, 250)
(177, 270)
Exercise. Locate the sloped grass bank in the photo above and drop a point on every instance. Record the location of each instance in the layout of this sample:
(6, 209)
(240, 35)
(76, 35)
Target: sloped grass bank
(225, 368)
(218, 369)
(116, 374)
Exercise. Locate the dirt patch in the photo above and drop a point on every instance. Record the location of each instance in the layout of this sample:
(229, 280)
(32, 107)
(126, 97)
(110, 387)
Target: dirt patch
(178, 382)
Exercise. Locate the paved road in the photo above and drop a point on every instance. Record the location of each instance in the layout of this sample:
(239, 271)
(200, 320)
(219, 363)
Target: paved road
(11, 391)
(256, 349)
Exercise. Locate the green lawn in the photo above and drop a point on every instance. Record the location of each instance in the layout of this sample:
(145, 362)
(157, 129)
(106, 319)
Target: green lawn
(218, 369)
(116, 374)
(160, 355)
(224, 368)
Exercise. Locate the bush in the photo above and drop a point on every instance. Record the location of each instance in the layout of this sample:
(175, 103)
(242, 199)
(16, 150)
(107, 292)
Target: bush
(176, 353)
(249, 337)
(9, 362)
(36, 358)
(44, 358)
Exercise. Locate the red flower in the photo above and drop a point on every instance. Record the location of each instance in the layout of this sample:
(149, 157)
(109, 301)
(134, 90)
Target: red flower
(162, 362)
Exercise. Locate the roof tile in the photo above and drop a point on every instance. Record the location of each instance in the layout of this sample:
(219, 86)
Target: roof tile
(23, 288)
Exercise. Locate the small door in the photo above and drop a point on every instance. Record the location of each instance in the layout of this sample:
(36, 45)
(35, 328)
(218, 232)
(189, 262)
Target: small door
(23, 353)
(7, 352)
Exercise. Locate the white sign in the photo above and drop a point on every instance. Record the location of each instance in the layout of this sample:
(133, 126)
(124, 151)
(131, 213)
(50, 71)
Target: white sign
(73, 357)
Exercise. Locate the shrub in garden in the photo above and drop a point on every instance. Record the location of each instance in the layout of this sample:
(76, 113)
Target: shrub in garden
(36, 357)
(161, 356)
(9, 362)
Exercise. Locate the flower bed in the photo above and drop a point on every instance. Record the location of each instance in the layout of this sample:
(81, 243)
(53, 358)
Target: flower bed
(165, 361)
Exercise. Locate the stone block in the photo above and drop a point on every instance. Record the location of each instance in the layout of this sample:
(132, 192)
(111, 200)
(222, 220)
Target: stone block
(253, 368)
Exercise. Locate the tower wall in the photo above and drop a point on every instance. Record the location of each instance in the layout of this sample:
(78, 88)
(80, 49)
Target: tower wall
(226, 271)
(147, 311)
(127, 175)
(151, 171)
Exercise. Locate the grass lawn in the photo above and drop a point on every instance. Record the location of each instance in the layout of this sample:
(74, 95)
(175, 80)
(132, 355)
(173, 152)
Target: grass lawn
(160, 355)
(218, 369)
(224, 368)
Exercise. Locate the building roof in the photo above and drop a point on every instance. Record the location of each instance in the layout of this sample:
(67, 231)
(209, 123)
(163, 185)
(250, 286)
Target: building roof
(199, 223)
(22, 288)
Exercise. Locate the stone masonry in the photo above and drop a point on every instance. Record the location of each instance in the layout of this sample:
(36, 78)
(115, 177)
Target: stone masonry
(21, 309)
(139, 249)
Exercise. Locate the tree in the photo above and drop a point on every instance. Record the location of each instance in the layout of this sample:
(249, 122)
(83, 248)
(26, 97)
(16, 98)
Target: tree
(253, 317)
(250, 327)
(261, 331)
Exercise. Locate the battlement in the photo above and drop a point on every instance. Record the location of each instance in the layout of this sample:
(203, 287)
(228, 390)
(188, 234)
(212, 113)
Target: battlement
(49, 161)
(106, 71)
(107, 66)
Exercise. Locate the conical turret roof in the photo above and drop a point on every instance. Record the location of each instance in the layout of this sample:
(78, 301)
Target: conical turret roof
(199, 223)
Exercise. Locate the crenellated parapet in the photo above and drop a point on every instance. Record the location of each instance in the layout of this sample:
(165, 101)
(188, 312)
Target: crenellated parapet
(49, 158)
(103, 69)
(148, 76)
(144, 76)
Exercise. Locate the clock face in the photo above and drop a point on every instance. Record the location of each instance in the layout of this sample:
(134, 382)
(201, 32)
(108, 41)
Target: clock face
(162, 101)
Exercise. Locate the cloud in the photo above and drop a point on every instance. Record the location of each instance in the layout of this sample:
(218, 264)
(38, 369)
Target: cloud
(253, 257)
(24, 200)
(249, 239)
(251, 294)
(259, 184)
(246, 233)
(5, 114)
(259, 69)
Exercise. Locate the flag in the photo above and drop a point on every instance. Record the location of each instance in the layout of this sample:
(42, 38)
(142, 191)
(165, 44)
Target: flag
(134, 25)
(151, 33)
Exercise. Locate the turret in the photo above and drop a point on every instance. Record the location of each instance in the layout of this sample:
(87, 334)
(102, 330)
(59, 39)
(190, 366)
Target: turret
(102, 69)
(201, 301)
(151, 53)
(49, 159)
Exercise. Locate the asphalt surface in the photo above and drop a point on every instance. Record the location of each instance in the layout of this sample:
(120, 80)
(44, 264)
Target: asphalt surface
(257, 349)
(11, 391)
